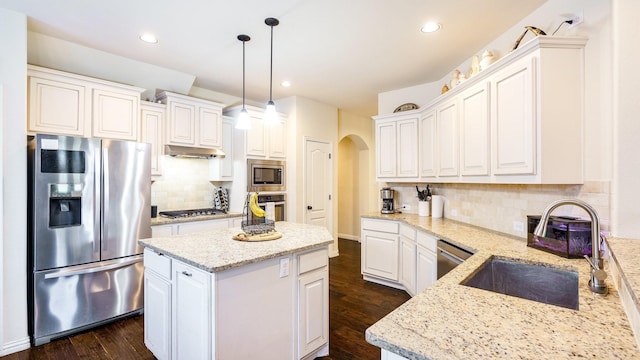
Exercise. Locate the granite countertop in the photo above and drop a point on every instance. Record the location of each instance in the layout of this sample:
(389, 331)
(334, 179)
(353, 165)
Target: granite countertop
(161, 220)
(216, 251)
(452, 321)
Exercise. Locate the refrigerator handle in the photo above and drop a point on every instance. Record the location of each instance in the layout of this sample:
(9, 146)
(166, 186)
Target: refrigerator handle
(92, 269)
(105, 195)
(97, 197)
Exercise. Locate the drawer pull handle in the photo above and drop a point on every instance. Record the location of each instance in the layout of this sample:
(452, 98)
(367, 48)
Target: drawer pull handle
(186, 273)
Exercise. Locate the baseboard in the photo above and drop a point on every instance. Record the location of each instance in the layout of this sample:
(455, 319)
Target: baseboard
(15, 346)
(349, 237)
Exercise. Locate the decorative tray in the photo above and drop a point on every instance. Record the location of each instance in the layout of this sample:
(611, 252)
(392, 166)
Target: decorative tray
(273, 235)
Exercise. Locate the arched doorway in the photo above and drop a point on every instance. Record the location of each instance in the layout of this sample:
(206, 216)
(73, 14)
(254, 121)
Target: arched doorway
(353, 185)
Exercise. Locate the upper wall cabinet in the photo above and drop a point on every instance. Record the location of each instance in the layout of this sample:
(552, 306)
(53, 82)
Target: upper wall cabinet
(262, 141)
(69, 104)
(152, 132)
(191, 121)
(518, 122)
(397, 147)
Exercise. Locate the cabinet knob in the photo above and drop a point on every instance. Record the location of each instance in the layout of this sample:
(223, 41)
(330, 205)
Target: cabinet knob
(186, 273)
(309, 207)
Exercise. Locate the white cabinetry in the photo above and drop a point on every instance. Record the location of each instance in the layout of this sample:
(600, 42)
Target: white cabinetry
(397, 147)
(191, 121)
(426, 261)
(194, 226)
(69, 104)
(191, 314)
(221, 168)
(380, 244)
(313, 302)
(152, 132)
(474, 131)
(262, 140)
(398, 255)
(408, 258)
(157, 304)
(519, 121)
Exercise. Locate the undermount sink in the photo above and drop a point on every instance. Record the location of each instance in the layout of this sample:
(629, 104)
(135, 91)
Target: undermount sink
(528, 281)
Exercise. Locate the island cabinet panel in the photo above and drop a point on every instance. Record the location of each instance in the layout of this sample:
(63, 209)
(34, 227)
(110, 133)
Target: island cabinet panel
(191, 328)
(157, 300)
(313, 303)
(388, 355)
(255, 302)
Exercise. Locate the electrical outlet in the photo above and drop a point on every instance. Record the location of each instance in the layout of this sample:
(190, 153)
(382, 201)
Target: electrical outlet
(576, 19)
(284, 267)
(518, 226)
(454, 212)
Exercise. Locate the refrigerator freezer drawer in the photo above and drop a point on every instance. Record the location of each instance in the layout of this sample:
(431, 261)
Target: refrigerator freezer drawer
(76, 297)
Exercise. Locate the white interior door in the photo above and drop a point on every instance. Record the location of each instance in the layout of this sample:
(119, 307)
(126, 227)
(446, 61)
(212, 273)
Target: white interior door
(318, 183)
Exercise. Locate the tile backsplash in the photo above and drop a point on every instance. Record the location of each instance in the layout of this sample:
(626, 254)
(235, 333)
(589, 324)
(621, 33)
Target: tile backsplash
(184, 184)
(497, 207)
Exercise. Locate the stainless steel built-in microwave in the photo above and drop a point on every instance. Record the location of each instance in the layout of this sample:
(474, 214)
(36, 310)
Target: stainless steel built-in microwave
(265, 175)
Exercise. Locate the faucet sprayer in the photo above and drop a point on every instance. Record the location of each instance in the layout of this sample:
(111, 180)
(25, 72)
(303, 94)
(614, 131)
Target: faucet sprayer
(598, 275)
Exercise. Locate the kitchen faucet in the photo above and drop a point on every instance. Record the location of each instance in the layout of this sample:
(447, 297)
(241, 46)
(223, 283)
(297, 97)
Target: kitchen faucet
(598, 275)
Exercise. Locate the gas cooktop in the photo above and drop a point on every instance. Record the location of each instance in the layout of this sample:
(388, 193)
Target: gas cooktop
(191, 213)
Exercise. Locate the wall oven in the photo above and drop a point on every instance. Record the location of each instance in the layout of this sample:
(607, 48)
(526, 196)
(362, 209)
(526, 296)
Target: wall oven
(279, 207)
(265, 175)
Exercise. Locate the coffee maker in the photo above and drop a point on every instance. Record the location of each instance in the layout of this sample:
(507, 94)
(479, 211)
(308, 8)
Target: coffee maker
(387, 200)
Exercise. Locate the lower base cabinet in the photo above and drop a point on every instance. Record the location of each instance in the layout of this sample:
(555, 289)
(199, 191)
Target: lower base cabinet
(397, 255)
(256, 310)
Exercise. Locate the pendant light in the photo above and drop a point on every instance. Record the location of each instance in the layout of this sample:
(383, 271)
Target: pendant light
(270, 115)
(243, 122)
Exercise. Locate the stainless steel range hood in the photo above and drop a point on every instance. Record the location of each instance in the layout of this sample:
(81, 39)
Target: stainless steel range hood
(192, 152)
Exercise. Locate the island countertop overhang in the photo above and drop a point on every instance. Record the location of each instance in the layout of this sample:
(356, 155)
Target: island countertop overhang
(216, 251)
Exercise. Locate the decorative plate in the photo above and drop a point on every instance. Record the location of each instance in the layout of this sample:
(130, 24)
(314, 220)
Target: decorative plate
(405, 107)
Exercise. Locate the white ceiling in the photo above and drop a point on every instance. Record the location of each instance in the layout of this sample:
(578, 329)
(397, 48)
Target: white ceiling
(341, 53)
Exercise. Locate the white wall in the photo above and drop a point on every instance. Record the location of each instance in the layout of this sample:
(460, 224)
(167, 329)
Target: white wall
(13, 286)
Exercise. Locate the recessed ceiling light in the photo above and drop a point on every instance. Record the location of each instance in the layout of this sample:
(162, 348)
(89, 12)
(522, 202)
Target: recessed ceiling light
(430, 27)
(149, 38)
(285, 83)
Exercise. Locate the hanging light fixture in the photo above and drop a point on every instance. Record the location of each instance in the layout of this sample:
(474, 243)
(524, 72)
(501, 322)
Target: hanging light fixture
(243, 122)
(270, 115)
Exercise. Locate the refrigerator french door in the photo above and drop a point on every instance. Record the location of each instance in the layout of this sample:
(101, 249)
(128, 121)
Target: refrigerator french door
(89, 203)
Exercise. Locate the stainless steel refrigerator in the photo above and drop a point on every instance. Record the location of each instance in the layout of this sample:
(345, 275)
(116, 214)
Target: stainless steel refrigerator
(89, 203)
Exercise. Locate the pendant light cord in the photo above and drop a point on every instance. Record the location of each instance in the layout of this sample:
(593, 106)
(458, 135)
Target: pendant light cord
(271, 68)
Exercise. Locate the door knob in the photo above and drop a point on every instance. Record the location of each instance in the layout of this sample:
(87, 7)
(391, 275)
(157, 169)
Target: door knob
(309, 207)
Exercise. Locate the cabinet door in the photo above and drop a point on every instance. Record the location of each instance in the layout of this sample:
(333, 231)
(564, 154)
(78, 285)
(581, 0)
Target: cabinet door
(115, 115)
(210, 127)
(181, 123)
(428, 143)
(313, 311)
(56, 107)
(408, 264)
(426, 271)
(256, 145)
(380, 255)
(191, 316)
(386, 149)
(474, 131)
(157, 314)
(277, 140)
(407, 148)
(221, 169)
(447, 129)
(512, 119)
(151, 131)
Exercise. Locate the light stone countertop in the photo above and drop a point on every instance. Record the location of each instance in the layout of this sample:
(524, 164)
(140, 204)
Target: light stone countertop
(161, 220)
(216, 251)
(452, 321)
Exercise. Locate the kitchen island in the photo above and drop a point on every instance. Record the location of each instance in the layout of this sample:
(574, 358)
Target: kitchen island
(208, 296)
(452, 321)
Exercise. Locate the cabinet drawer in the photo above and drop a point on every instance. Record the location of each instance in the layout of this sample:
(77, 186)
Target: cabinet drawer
(408, 232)
(157, 262)
(380, 225)
(427, 241)
(312, 260)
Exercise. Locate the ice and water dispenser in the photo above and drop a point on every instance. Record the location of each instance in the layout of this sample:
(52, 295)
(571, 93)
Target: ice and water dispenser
(65, 205)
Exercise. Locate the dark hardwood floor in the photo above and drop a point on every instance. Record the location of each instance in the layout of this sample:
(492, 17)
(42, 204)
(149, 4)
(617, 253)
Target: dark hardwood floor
(354, 305)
